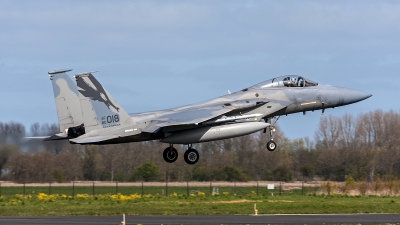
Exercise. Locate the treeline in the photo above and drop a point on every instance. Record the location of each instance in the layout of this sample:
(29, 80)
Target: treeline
(363, 147)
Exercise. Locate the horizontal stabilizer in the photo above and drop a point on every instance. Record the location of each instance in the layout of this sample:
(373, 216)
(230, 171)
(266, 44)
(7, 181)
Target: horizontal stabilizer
(56, 137)
(38, 137)
(90, 140)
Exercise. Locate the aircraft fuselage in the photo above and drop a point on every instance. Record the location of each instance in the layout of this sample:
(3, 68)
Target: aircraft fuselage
(251, 101)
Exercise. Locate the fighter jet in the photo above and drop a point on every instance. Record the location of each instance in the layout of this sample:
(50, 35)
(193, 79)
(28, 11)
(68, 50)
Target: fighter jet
(88, 114)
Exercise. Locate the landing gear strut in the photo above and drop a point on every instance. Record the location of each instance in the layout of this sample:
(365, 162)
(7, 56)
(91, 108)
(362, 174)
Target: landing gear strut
(191, 155)
(271, 145)
(170, 154)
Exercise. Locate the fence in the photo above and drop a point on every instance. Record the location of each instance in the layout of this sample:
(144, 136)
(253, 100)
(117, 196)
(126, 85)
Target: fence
(160, 188)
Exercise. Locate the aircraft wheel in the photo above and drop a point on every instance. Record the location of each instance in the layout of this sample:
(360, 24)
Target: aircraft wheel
(271, 145)
(191, 156)
(170, 155)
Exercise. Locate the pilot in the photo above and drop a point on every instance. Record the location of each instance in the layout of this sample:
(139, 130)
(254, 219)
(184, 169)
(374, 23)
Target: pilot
(287, 82)
(294, 82)
(300, 82)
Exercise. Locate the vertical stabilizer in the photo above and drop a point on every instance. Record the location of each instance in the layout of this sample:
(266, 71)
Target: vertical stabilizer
(67, 100)
(99, 108)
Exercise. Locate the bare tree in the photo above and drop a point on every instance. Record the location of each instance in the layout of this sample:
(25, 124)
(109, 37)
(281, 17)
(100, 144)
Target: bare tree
(12, 133)
(109, 157)
(68, 166)
(328, 132)
(6, 151)
(91, 162)
(20, 167)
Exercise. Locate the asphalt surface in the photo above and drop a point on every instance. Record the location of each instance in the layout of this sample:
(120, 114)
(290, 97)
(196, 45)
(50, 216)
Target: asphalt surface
(220, 219)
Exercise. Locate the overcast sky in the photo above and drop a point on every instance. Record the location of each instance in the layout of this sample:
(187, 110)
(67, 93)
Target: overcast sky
(161, 54)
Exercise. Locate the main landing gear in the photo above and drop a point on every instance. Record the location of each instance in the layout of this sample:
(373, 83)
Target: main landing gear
(170, 154)
(191, 155)
(271, 145)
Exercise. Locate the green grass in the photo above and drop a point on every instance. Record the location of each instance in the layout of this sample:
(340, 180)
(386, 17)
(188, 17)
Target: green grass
(241, 191)
(292, 203)
(203, 206)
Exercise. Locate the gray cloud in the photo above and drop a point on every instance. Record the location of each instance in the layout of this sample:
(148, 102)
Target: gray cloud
(152, 30)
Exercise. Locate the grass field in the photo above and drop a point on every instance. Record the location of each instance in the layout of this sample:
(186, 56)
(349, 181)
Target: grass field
(161, 190)
(177, 202)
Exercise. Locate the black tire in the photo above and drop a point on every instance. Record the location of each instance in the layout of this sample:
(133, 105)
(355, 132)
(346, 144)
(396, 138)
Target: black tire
(170, 155)
(271, 145)
(191, 156)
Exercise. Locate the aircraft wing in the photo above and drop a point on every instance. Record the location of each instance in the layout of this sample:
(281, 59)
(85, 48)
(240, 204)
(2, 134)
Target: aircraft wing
(274, 106)
(189, 116)
(198, 114)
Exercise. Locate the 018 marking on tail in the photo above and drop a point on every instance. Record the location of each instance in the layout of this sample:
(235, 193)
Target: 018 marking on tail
(88, 114)
(109, 119)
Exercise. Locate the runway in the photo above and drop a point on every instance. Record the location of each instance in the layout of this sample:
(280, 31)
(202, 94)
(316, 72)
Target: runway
(217, 219)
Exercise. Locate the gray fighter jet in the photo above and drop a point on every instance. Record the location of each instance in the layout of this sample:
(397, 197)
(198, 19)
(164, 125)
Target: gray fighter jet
(88, 114)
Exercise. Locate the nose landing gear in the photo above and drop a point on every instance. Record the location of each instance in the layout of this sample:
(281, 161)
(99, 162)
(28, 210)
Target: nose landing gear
(271, 145)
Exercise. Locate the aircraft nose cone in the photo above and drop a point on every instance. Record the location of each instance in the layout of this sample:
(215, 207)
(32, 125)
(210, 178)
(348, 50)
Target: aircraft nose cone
(349, 96)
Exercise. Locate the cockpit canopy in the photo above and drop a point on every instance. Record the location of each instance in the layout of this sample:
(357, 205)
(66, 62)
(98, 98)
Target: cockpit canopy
(286, 81)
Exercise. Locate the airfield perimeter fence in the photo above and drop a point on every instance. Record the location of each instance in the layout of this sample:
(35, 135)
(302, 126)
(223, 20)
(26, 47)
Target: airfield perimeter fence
(255, 188)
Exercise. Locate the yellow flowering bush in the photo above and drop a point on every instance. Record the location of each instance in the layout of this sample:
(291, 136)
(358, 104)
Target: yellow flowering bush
(14, 202)
(23, 196)
(122, 197)
(42, 196)
(198, 194)
(101, 197)
(83, 196)
(64, 196)
(45, 197)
